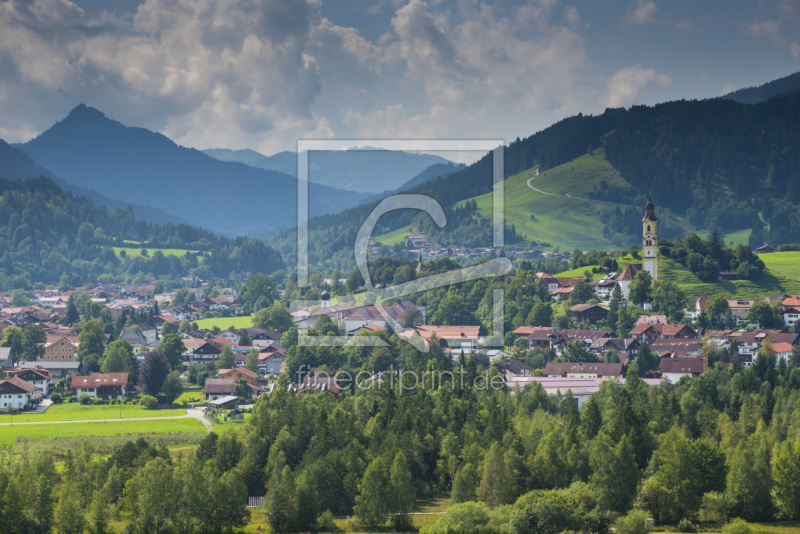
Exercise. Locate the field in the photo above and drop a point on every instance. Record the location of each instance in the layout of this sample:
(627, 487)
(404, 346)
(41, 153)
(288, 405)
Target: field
(18, 434)
(132, 252)
(244, 321)
(575, 273)
(78, 412)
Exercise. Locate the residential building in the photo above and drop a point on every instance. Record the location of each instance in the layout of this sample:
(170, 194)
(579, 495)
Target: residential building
(216, 388)
(673, 369)
(587, 312)
(15, 393)
(582, 370)
(41, 378)
(239, 373)
(60, 348)
(6, 358)
(513, 367)
(108, 386)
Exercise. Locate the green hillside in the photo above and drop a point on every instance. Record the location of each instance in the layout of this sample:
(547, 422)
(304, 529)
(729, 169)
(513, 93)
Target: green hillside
(782, 276)
(559, 212)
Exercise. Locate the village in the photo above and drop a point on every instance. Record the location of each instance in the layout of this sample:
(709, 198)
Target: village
(251, 359)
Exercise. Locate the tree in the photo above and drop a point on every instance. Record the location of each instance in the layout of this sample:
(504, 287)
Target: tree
(374, 498)
(69, 517)
(541, 314)
(72, 315)
(761, 313)
(545, 512)
(184, 326)
(280, 503)
(153, 372)
(14, 337)
(402, 491)
(244, 339)
(615, 476)
(496, 484)
(169, 327)
(251, 363)
(225, 503)
(275, 317)
(716, 308)
(646, 359)
(118, 358)
(639, 290)
(749, 481)
(98, 513)
(91, 340)
(452, 311)
(463, 518)
(581, 293)
(172, 348)
(258, 286)
(786, 472)
(465, 483)
(226, 359)
(668, 298)
(576, 351)
(34, 340)
(172, 388)
(151, 496)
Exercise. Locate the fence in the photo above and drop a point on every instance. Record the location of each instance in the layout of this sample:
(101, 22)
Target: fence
(255, 502)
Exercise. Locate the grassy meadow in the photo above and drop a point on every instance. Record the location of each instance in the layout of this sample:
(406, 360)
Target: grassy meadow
(79, 412)
(12, 435)
(244, 321)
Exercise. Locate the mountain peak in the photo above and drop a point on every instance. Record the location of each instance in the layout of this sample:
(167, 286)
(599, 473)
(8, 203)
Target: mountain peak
(82, 111)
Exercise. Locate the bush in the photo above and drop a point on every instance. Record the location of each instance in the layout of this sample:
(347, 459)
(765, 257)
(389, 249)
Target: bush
(56, 398)
(686, 526)
(85, 399)
(714, 507)
(325, 523)
(149, 402)
(633, 523)
(98, 401)
(737, 526)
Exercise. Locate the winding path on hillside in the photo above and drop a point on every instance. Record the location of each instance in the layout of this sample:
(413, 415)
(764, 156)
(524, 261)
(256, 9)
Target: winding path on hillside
(567, 195)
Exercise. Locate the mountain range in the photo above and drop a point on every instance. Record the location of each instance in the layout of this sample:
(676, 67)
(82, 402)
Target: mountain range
(362, 170)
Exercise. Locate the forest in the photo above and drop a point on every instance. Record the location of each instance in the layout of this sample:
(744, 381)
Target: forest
(52, 237)
(723, 445)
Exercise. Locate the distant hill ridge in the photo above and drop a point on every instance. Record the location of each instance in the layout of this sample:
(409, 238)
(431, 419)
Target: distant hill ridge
(136, 165)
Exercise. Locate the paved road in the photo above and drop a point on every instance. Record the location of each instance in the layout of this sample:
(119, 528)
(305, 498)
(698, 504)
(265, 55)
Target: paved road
(197, 413)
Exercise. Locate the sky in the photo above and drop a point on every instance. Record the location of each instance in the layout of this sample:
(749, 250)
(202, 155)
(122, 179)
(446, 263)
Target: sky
(262, 74)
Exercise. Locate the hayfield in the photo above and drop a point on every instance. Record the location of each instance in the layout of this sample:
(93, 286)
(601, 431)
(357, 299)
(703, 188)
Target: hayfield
(79, 412)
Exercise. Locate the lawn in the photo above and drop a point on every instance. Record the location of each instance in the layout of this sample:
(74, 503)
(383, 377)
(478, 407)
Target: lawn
(190, 397)
(244, 321)
(577, 273)
(734, 239)
(79, 412)
(11, 434)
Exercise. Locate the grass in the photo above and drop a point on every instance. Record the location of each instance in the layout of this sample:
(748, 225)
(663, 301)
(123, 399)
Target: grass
(565, 217)
(734, 239)
(132, 252)
(190, 396)
(577, 273)
(79, 412)
(244, 321)
(15, 435)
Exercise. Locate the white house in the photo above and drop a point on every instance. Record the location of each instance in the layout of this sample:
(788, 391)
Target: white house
(15, 393)
(101, 385)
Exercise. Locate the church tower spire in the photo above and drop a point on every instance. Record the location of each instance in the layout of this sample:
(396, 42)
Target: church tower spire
(650, 240)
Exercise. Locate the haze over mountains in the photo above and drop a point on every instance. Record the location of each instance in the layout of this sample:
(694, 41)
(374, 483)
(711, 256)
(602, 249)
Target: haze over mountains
(361, 171)
(135, 165)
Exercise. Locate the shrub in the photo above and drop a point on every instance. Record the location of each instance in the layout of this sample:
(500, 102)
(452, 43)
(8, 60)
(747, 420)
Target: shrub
(325, 523)
(56, 398)
(98, 401)
(633, 523)
(149, 402)
(737, 526)
(85, 399)
(714, 507)
(686, 526)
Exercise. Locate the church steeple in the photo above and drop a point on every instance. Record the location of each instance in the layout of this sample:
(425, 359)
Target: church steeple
(650, 239)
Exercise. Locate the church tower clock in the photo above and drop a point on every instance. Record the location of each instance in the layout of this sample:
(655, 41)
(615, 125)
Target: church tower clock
(650, 240)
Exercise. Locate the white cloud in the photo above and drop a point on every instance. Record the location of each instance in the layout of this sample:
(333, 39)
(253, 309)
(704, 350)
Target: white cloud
(642, 13)
(769, 29)
(685, 25)
(574, 18)
(627, 84)
(794, 48)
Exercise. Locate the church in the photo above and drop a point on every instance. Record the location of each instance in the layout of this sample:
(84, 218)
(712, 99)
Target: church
(649, 250)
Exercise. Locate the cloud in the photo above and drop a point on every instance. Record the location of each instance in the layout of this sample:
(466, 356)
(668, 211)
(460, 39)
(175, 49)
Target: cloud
(574, 18)
(627, 84)
(729, 88)
(642, 13)
(685, 25)
(769, 29)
